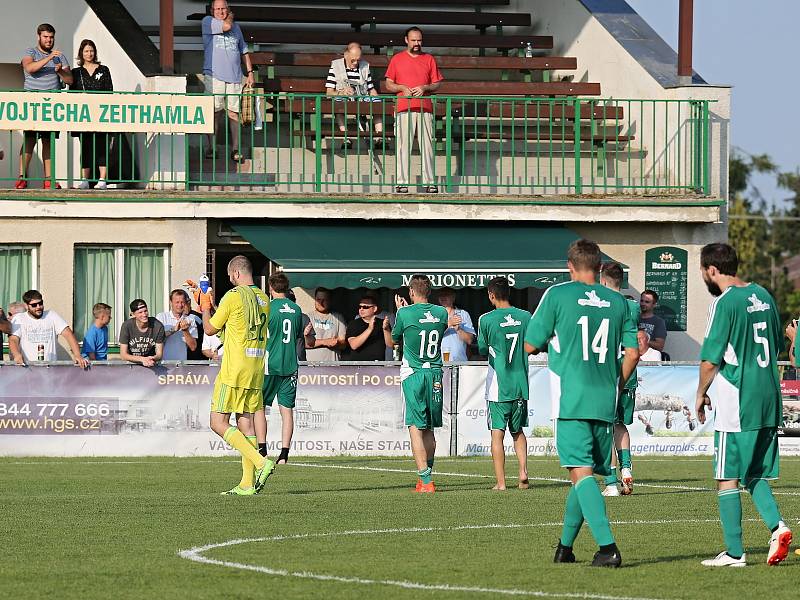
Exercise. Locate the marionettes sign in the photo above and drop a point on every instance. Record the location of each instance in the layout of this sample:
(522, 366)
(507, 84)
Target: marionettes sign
(114, 112)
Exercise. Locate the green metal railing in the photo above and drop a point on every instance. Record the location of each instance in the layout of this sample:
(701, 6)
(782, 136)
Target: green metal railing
(477, 145)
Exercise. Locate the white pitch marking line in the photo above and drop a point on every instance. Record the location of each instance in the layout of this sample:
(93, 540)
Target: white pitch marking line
(196, 554)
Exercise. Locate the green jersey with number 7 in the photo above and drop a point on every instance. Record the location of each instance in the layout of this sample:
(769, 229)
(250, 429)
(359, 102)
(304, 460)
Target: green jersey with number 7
(585, 325)
(744, 338)
(421, 327)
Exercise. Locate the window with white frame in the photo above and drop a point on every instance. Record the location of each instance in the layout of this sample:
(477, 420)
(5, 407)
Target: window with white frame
(115, 276)
(19, 272)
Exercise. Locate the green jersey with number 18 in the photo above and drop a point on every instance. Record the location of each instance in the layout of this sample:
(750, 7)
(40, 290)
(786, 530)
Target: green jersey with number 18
(421, 327)
(285, 328)
(744, 338)
(585, 325)
(500, 336)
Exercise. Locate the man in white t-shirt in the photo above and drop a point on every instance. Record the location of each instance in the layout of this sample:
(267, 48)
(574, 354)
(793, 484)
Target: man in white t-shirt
(212, 347)
(327, 327)
(180, 329)
(34, 334)
(646, 353)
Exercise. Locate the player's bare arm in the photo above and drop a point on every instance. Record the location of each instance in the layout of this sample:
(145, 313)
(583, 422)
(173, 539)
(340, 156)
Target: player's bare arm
(708, 371)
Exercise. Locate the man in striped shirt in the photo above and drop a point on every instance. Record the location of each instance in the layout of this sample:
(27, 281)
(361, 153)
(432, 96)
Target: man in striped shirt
(349, 77)
(45, 69)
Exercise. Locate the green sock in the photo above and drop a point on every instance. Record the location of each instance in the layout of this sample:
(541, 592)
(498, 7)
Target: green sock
(573, 519)
(425, 475)
(765, 502)
(430, 463)
(594, 510)
(730, 514)
(612, 479)
(624, 457)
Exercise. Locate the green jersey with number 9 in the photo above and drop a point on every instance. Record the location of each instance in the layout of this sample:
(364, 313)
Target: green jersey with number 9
(285, 328)
(421, 327)
(585, 325)
(744, 338)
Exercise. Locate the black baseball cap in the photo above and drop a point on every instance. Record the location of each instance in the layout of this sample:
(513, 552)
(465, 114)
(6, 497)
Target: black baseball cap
(138, 304)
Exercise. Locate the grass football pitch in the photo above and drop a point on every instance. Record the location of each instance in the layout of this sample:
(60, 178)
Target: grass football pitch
(341, 528)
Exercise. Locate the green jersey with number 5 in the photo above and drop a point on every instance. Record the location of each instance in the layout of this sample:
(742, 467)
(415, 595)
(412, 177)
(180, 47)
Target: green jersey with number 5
(744, 338)
(500, 336)
(585, 325)
(285, 328)
(421, 327)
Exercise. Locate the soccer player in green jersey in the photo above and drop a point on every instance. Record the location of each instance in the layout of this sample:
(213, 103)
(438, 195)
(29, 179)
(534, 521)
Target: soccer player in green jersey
(611, 276)
(421, 326)
(585, 324)
(285, 328)
(241, 321)
(739, 374)
(500, 334)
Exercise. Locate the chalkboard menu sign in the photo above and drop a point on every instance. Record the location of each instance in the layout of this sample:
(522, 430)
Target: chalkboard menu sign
(665, 273)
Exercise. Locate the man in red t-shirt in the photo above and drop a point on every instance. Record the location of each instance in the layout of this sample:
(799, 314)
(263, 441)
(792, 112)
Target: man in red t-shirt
(413, 74)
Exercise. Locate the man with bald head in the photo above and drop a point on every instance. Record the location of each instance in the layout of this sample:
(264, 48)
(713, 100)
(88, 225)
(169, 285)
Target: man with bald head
(349, 78)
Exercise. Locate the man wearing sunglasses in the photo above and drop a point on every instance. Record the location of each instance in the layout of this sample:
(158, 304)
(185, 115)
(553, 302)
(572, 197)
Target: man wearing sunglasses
(364, 335)
(34, 334)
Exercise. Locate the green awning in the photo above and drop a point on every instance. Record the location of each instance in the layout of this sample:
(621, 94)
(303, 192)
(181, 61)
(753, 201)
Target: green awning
(374, 254)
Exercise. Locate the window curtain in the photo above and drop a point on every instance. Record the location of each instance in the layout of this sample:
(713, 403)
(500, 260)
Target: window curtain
(144, 277)
(16, 274)
(95, 281)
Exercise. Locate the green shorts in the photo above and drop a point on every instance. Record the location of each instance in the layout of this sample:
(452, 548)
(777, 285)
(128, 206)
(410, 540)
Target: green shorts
(585, 443)
(746, 455)
(512, 414)
(422, 393)
(282, 386)
(625, 406)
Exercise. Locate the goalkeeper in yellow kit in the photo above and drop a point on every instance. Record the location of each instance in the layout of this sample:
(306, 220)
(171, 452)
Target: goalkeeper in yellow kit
(241, 322)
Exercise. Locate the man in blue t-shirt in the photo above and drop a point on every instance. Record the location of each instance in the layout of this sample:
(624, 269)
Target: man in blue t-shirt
(95, 341)
(45, 69)
(223, 49)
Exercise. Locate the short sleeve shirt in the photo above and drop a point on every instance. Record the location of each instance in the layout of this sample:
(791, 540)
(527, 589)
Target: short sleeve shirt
(634, 310)
(243, 360)
(421, 328)
(500, 336)
(36, 333)
(96, 342)
(175, 347)
(375, 346)
(46, 78)
(142, 343)
(453, 344)
(654, 326)
(413, 71)
(326, 325)
(222, 51)
(285, 327)
(585, 326)
(744, 337)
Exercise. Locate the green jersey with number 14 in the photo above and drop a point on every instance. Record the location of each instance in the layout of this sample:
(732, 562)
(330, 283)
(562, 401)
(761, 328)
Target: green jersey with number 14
(421, 327)
(500, 336)
(744, 337)
(285, 328)
(585, 325)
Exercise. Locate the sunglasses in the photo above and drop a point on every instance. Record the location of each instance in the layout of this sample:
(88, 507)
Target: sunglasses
(35, 304)
(366, 306)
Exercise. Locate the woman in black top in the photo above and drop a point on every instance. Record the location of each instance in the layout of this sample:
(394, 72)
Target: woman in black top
(91, 76)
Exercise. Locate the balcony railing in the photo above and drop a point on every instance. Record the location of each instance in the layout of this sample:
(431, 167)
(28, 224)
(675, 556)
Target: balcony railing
(480, 145)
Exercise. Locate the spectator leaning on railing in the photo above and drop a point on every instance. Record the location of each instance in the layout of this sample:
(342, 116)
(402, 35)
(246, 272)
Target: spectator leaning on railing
(223, 49)
(413, 73)
(34, 334)
(45, 69)
(91, 76)
(95, 341)
(349, 78)
(141, 338)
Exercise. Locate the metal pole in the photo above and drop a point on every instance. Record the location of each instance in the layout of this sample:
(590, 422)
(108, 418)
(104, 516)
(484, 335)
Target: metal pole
(685, 27)
(166, 40)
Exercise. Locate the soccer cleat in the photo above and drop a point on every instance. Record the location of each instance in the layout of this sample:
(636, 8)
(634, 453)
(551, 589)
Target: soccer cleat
(237, 491)
(611, 491)
(564, 554)
(779, 545)
(607, 559)
(419, 485)
(263, 474)
(723, 559)
(627, 482)
(21, 184)
(426, 488)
